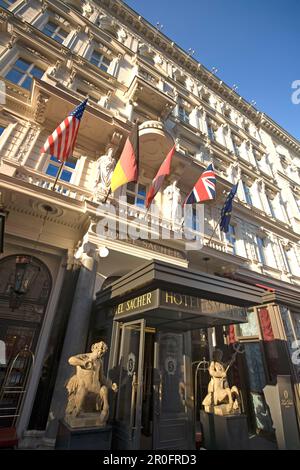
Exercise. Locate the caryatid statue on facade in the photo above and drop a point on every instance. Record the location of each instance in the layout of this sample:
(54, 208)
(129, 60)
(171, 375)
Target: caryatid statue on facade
(171, 207)
(88, 387)
(105, 168)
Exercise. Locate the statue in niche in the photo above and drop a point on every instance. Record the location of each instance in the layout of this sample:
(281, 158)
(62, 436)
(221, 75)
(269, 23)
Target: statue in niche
(172, 203)
(221, 399)
(105, 167)
(87, 10)
(88, 389)
(122, 35)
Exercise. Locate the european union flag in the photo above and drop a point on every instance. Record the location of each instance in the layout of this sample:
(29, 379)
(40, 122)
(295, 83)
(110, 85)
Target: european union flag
(227, 209)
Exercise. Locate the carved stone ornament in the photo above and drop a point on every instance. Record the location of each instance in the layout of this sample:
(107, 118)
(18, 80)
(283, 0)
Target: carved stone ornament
(122, 35)
(106, 23)
(88, 389)
(158, 60)
(87, 10)
(221, 399)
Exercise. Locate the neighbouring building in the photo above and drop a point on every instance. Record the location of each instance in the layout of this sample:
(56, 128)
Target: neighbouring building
(62, 287)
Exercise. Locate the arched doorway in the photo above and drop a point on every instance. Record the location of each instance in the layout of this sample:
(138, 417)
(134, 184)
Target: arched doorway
(25, 286)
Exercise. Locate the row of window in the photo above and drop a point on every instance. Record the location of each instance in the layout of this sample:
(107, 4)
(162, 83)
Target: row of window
(260, 244)
(260, 248)
(136, 196)
(249, 200)
(185, 117)
(22, 71)
(59, 34)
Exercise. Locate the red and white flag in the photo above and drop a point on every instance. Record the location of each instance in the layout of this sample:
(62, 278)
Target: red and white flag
(158, 181)
(60, 144)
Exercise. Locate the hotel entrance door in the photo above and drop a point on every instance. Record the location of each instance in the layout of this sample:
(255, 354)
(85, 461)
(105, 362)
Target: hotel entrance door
(154, 408)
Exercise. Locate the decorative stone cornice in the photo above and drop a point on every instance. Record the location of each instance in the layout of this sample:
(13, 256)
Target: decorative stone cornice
(282, 135)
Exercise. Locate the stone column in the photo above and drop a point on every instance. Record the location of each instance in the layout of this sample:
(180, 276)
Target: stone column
(75, 338)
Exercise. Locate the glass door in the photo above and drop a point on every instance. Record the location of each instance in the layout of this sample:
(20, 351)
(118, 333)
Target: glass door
(130, 386)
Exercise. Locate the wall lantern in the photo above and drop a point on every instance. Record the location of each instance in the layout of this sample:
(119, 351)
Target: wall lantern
(26, 273)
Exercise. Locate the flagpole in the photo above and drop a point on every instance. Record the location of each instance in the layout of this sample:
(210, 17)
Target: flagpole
(215, 229)
(107, 196)
(58, 175)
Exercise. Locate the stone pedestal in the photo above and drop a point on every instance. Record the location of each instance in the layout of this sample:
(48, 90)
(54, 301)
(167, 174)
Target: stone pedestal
(228, 432)
(92, 438)
(208, 429)
(84, 420)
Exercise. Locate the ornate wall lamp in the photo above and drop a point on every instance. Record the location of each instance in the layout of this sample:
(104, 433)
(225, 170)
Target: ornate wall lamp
(26, 273)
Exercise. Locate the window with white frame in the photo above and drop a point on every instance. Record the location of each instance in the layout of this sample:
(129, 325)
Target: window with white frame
(6, 3)
(22, 73)
(136, 194)
(52, 168)
(100, 60)
(184, 115)
(2, 129)
(247, 193)
(211, 130)
(231, 237)
(260, 248)
(55, 31)
(236, 145)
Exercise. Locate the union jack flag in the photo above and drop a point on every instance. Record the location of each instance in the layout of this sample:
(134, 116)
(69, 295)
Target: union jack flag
(60, 144)
(205, 188)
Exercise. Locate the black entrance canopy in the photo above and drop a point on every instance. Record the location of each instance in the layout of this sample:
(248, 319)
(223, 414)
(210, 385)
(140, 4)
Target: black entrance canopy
(178, 298)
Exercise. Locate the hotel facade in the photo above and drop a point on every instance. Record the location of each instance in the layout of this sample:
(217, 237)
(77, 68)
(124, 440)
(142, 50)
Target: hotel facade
(64, 286)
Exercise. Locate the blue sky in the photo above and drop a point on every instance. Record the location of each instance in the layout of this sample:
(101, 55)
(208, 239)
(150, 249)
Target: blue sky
(253, 43)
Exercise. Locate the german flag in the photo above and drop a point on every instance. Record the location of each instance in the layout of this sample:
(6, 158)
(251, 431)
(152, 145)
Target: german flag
(127, 168)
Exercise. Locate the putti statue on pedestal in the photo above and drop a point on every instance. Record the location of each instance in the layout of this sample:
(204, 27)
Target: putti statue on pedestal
(88, 389)
(221, 399)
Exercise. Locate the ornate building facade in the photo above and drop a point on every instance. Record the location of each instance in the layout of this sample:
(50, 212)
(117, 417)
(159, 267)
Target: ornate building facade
(53, 54)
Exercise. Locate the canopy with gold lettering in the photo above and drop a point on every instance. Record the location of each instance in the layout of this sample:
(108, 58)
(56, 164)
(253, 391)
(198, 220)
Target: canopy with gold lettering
(178, 298)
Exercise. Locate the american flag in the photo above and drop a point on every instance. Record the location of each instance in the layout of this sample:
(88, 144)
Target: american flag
(205, 188)
(61, 143)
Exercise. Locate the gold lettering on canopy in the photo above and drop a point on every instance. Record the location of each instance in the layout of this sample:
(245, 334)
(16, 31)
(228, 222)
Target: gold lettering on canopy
(178, 302)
